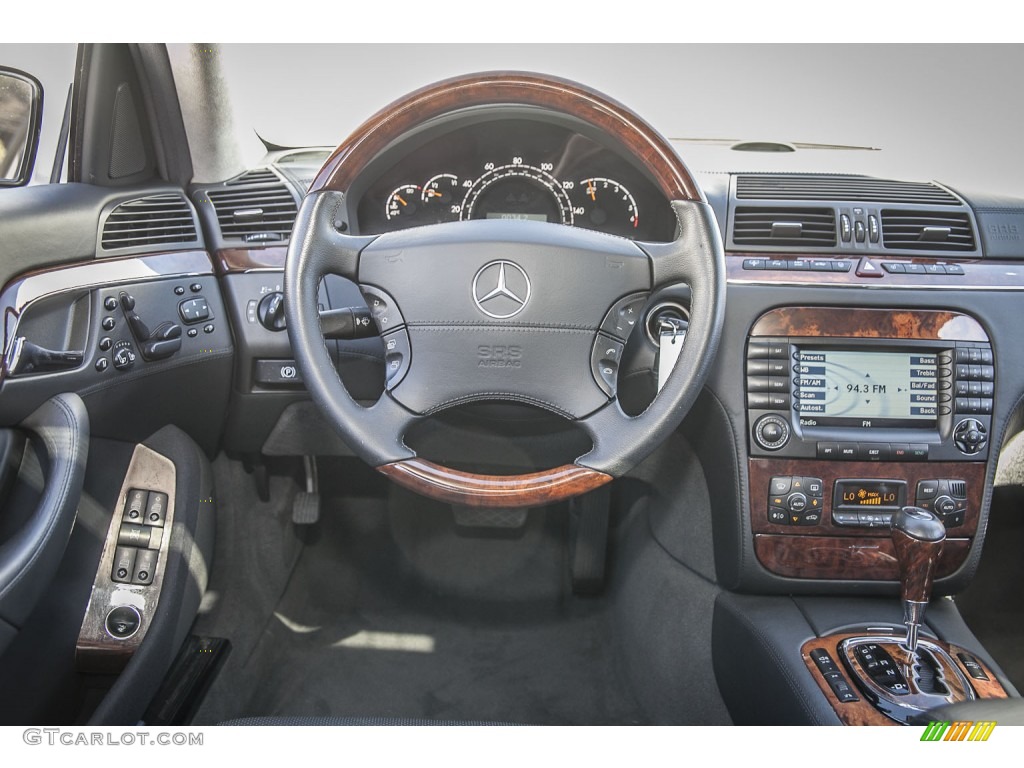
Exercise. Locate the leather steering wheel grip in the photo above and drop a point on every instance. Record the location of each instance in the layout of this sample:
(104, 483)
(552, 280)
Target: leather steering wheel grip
(695, 257)
(59, 428)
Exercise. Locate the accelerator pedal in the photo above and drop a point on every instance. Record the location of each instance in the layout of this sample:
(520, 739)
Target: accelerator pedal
(590, 514)
(306, 506)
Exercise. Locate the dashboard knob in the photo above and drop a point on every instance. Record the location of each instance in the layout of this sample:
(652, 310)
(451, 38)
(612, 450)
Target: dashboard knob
(271, 312)
(771, 432)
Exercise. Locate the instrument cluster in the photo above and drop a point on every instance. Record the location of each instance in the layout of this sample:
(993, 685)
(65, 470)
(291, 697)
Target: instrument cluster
(515, 169)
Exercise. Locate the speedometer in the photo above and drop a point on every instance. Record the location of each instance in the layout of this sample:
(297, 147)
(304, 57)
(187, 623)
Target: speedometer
(518, 191)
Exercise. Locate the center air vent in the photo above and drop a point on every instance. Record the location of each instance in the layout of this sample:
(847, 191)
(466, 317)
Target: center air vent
(851, 189)
(158, 220)
(792, 227)
(927, 230)
(254, 207)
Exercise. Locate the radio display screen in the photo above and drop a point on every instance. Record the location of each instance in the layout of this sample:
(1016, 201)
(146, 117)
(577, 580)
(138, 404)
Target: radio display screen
(866, 389)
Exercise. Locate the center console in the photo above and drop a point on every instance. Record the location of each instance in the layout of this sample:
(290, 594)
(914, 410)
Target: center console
(853, 414)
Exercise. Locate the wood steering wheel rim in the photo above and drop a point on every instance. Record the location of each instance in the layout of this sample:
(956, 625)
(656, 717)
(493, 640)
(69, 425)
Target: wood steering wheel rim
(346, 164)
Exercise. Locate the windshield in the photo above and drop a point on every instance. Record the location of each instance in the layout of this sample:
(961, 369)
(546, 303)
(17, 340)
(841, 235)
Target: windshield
(933, 111)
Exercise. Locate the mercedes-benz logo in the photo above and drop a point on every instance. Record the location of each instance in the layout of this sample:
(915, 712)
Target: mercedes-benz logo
(501, 289)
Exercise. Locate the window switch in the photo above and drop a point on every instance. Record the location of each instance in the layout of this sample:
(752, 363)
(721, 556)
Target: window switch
(124, 565)
(156, 509)
(135, 506)
(145, 566)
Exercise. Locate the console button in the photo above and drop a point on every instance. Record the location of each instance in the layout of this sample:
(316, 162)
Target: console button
(759, 401)
(849, 451)
(954, 269)
(765, 367)
(796, 502)
(954, 520)
(778, 384)
(927, 489)
(756, 350)
(893, 267)
(918, 452)
(846, 518)
(780, 485)
(873, 229)
(842, 265)
(778, 350)
(859, 231)
(868, 268)
(778, 515)
(813, 487)
(757, 383)
(123, 622)
(809, 518)
(914, 269)
(899, 451)
(974, 669)
(108, 323)
(874, 451)
(777, 264)
(753, 263)
(771, 432)
(828, 450)
(935, 269)
(800, 265)
(134, 536)
(778, 402)
(823, 661)
(845, 227)
(945, 505)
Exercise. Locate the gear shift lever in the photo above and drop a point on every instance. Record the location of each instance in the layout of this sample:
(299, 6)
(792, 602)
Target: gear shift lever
(917, 536)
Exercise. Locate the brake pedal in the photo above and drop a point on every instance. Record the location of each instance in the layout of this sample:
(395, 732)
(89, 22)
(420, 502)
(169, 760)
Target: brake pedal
(306, 506)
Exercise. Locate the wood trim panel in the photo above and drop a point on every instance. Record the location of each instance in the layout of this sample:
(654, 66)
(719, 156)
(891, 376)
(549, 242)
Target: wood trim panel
(514, 88)
(848, 557)
(500, 491)
(994, 275)
(96, 651)
(761, 471)
(862, 712)
(869, 323)
(229, 260)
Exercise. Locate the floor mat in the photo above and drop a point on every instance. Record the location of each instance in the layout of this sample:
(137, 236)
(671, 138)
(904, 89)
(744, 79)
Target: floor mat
(993, 605)
(393, 611)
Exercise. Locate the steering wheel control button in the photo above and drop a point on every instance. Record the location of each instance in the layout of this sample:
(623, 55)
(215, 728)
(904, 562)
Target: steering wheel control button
(382, 307)
(195, 310)
(145, 567)
(605, 360)
(771, 432)
(123, 622)
(124, 356)
(624, 316)
(156, 509)
(397, 356)
(124, 565)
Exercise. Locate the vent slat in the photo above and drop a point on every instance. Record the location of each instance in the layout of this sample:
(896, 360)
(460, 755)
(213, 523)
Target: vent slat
(261, 190)
(840, 188)
(927, 230)
(792, 227)
(154, 220)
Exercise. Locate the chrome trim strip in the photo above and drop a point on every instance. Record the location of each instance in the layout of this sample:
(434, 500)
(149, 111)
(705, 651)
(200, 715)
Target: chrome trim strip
(878, 285)
(22, 292)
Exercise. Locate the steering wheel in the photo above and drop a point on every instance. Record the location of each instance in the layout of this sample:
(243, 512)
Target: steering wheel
(493, 310)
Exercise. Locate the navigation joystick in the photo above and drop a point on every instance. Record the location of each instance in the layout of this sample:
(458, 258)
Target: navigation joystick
(917, 536)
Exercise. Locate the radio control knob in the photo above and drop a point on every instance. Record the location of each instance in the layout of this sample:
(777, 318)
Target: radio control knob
(771, 432)
(970, 437)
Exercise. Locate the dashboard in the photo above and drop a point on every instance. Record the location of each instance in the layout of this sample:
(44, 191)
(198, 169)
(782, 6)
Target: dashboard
(521, 169)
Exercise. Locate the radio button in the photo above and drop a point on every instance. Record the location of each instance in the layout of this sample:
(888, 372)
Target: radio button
(759, 401)
(828, 450)
(778, 350)
(963, 371)
(899, 451)
(765, 367)
(771, 432)
(778, 401)
(963, 388)
(757, 383)
(778, 384)
(918, 452)
(963, 355)
(849, 451)
(945, 359)
(874, 451)
(986, 357)
(987, 389)
(963, 405)
(986, 405)
(757, 350)
(987, 373)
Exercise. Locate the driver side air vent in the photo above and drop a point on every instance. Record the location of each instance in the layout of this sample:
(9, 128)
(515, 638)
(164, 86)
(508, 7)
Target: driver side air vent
(157, 220)
(255, 207)
(791, 227)
(927, 230)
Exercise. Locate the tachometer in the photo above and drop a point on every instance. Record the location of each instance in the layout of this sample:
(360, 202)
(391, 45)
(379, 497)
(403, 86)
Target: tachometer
(606, 205)
(403, 203)
(518, 191)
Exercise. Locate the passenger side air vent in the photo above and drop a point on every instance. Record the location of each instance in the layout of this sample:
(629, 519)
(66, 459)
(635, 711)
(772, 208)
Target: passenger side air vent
(927, 230)
(158, 220)
(254, 207)
(851, 189)
(790, 227)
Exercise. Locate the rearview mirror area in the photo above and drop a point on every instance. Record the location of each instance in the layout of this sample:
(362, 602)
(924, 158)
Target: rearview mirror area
(21, 110)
